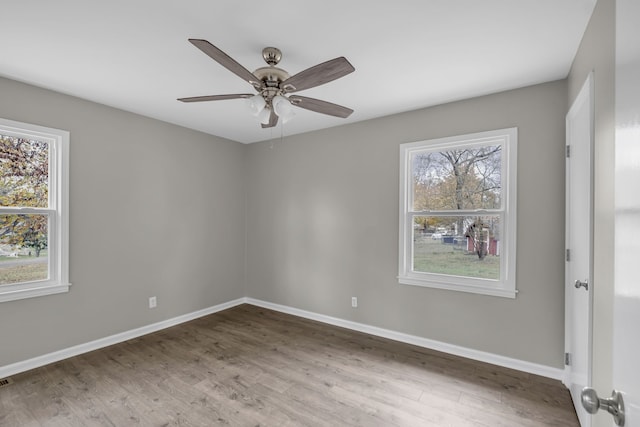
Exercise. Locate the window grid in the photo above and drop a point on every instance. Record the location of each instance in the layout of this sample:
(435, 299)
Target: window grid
(504, 213)
(56, 211)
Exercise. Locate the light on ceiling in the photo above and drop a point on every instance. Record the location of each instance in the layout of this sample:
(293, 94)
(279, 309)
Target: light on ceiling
(282, 107)
(256, 104)
(264, 115)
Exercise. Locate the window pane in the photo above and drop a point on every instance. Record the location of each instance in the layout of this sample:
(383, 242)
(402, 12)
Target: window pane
(468, 178)
(24, 172)
(466, 246)
(23, 248)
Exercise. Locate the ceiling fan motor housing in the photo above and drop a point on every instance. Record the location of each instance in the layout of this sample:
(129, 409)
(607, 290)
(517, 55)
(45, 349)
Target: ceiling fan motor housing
(271, 55)
(271, 77)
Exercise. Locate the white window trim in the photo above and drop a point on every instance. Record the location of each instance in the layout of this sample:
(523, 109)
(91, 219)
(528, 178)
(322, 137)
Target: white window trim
(506, 286)
(58, 212)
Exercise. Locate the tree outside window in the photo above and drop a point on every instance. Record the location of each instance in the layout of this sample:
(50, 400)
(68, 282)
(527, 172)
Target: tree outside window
(458, 210)
(24, 183)
(34, 210)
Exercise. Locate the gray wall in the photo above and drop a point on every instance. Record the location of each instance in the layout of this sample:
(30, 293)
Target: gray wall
(158, 210)
(155, 209)
(322, 226)
(597, 53)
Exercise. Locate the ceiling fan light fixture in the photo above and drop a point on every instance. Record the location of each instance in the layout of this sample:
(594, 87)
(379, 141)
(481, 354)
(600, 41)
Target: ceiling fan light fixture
(264, 116)
(282, 107)
(256, 104)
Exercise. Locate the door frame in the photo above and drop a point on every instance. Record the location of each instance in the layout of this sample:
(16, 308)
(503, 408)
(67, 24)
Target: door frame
(586, 95)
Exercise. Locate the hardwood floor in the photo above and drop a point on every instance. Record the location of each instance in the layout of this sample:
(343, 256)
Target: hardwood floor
(249, 366)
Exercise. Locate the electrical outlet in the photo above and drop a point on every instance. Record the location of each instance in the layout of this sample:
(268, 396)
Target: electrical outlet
(354, 302)
(153, 302)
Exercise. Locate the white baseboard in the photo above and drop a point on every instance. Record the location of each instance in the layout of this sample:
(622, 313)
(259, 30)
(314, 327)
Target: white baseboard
(520, 365)
(36, 362)
(494, 359)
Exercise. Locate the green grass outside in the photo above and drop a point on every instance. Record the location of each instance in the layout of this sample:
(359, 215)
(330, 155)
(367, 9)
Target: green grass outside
(23, 273)
(433, 256)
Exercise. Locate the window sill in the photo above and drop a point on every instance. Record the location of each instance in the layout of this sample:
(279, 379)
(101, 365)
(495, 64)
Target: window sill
(32, 290)
(474, 289)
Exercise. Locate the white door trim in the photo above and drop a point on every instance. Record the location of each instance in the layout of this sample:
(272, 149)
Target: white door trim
(574, 374)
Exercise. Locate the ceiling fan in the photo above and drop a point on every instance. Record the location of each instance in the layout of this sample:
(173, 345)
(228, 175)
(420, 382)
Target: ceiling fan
(276, 87)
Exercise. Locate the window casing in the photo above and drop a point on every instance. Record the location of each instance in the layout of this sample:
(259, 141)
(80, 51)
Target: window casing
(458, 213)
(34, 215)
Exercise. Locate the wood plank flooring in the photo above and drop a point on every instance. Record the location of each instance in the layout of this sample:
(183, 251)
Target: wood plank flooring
(248, 366)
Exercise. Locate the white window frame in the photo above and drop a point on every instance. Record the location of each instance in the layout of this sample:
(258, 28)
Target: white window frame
(506, 285)
(58, 212)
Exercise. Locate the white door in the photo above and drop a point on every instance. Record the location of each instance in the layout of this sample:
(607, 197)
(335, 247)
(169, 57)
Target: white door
(579, 244)
(626, 309)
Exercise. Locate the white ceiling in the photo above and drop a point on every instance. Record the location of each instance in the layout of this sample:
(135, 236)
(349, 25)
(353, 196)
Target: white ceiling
(408, 54)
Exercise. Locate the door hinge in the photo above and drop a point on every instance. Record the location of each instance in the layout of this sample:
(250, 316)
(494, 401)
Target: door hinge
(568, 153)
(567, 359)
(568, 255)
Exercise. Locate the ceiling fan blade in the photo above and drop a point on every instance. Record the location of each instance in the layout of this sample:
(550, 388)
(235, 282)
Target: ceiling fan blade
(226, 61)
(273, 120)
(319, 106)
(215, 97)
(318, 75)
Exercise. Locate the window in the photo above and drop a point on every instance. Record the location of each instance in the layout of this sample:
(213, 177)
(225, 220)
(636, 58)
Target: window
(33, 211)
(458, 213)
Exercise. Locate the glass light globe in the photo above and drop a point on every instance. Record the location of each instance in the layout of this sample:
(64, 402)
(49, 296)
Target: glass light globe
(282, 107)
(256, 104)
